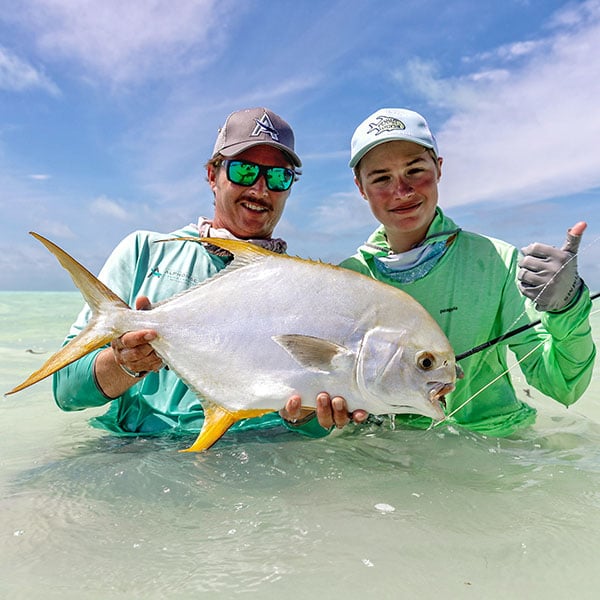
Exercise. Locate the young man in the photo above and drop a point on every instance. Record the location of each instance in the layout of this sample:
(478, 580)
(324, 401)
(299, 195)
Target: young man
(250, 173)
(474, 286)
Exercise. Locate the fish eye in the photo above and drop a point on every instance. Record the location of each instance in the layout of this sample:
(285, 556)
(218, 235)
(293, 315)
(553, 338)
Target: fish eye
(426, 361)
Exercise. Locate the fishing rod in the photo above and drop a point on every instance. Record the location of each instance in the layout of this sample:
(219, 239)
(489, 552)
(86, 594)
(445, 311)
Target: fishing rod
(507, 335)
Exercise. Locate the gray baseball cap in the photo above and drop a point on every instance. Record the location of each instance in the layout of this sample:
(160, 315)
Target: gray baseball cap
(250, 127)
(389, 124)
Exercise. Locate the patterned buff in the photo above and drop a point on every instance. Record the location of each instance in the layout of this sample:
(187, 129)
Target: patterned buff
(414, 264)
(206, 230)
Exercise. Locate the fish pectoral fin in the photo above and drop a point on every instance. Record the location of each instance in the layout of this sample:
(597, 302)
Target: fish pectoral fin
(217, 420)
(313, 353)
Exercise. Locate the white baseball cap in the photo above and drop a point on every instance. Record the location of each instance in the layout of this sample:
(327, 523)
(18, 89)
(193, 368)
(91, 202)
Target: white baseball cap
(389, 124)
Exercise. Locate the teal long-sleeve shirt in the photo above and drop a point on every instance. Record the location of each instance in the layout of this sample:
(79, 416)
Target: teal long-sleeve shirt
(472, 293)
(143, 266)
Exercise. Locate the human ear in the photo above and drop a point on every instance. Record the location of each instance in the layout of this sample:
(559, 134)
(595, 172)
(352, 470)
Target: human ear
(439, 162)
(211, 176)
(359, 186)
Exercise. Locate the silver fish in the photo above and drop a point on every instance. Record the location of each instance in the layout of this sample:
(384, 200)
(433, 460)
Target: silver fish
(270, 326)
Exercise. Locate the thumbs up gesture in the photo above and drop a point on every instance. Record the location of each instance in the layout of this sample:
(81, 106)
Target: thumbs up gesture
(548, 275)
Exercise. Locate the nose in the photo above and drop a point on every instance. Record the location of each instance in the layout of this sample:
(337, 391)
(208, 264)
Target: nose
(259, 187)
(404, 188)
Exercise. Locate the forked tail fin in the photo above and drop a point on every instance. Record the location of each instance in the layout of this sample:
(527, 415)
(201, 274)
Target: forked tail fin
(96, 294)
(96, 334)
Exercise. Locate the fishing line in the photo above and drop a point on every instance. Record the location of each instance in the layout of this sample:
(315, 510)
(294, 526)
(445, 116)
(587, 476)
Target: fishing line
(491, 383)
(507, 335)
(451, 414)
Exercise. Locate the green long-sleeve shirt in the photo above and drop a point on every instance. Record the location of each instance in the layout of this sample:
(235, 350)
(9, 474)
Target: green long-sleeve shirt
(160, 401)
(472, 293)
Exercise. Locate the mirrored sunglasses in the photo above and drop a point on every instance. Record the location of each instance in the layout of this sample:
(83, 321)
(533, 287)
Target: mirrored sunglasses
(240, 172)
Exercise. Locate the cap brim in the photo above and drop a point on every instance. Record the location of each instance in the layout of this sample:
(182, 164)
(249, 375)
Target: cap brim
(360, 154)
(235, 149)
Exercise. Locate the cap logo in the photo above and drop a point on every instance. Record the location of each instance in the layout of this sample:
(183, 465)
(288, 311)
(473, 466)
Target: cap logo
(385, 124)
(264, 125)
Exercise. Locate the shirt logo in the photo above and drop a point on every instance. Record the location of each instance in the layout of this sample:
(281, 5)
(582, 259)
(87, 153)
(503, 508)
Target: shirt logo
(264, 125)
(448, 310)
(386, 124)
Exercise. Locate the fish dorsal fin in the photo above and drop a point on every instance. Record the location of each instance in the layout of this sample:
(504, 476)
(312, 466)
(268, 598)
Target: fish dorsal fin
(246, 253)
(239, 248)
(313, 353)
(243, 252)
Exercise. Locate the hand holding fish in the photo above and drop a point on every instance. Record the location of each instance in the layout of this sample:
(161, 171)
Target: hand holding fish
(548, 275)
(329, 411)
(133, 351)
(129, 358)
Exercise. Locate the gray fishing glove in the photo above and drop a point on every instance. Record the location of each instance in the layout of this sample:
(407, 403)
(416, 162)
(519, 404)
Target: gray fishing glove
(548, 276)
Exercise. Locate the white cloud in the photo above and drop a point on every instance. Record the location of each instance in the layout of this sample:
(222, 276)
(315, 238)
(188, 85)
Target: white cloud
(530, 132)
(17, 75)
(127, 42)
(105, 207)
(575, 14)
(342, 213)
(508, 52)
(55, 229)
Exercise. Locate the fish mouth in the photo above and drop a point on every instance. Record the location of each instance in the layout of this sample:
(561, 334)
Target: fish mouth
(438, 391)
(437, 401)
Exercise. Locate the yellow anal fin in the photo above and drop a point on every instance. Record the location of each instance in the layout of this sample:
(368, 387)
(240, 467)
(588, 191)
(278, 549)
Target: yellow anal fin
(217, 420)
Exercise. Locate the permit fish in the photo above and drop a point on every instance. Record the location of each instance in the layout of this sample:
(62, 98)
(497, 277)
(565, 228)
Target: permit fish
(269, 326)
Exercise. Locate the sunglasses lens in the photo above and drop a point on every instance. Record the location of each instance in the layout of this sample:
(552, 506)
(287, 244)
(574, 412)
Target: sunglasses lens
(279, 179)
(242, 173)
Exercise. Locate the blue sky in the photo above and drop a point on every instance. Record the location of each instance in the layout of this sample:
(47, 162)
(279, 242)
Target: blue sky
(108, 111)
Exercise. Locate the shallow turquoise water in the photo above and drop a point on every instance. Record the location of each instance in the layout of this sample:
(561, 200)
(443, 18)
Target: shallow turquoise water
(368, 513)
